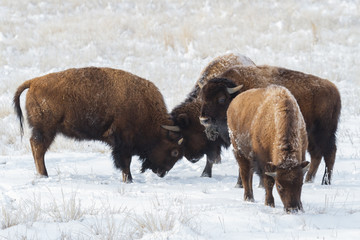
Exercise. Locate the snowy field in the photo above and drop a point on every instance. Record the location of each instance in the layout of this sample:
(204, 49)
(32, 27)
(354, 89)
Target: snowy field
(169, 42)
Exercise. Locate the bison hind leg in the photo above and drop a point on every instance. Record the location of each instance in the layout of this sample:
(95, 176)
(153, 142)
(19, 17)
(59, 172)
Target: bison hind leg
(329, 158)
(315, 152)
(40, 142)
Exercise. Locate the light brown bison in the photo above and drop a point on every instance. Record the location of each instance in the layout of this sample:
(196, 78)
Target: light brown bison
(186, 115)
(318, 99)
(268, 134)
(113, 106)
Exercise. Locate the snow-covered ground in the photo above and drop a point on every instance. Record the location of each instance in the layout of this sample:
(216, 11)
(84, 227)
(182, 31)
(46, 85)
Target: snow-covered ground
(169, 42)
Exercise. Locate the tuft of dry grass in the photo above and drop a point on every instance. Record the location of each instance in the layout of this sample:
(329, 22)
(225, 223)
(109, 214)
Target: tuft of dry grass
(164, 217)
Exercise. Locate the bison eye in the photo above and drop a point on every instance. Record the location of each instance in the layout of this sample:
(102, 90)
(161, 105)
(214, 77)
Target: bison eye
(279, 187)
(174, 153)
(221, 100)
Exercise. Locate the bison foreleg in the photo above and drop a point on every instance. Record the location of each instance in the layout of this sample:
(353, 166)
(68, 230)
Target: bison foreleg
(246, 174)
(208, 169)
(123, 163)
(269, 184)
(239, 183)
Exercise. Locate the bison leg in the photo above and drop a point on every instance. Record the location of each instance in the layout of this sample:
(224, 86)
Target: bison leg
(123, 163)
(315, 153)
(208, 169)
(239, 183)
(246, 174)
(329, 165)
(39, 144)
(314, 165)
(246, 177)
(269, 184)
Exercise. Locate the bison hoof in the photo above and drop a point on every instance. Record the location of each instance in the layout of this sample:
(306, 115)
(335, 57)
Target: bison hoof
(205, 174)
(249, 199)
(127, 178)
(270, 203)
(129, 181)
(42, 175)
(326, 182)
(238, 185)
(309, 180)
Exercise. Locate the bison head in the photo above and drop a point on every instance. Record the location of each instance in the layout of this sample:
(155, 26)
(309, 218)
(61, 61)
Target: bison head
(195, 144)
(288, 183)
(165, 152)
(216, 96)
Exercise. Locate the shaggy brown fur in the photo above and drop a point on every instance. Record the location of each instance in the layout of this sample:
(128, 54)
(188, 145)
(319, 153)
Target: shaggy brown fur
(216, 67)
(319, 102)
(196, 144)
(113, 106)
(268, 134)
(186, 115)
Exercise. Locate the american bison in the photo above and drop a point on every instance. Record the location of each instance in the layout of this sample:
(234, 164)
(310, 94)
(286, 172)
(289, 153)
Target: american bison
(318, 99)
(195, 143)
(113, 106)
(268, 135)
(186, 115)
(216, 67)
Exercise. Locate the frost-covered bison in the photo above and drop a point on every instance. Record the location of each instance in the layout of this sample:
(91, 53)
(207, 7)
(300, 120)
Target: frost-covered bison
(318, 99)
(268, 133)
(113, 106)
(186, 115)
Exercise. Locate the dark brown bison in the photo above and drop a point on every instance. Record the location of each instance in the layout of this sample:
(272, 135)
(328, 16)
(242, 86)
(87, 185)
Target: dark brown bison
(216, 67)
(268, 134)
(195, 143)
(186, 115)
(113, 106)
(318, 99)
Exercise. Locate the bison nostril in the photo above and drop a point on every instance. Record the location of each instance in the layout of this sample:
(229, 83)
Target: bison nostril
(204, 121)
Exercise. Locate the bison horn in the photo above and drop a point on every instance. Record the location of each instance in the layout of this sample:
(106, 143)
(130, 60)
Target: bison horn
(234, 89)
(271, 174)
(180, 141)
(171, 128)
(306, 168)
(200, 84)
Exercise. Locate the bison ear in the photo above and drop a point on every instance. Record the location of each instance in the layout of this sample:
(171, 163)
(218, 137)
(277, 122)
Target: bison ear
(305, 166)
(183, 120)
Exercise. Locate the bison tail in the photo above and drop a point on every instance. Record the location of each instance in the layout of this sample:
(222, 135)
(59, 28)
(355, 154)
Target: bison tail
(16, 102)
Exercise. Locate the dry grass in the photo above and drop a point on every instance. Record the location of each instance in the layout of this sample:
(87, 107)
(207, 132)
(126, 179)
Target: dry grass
(164, 217)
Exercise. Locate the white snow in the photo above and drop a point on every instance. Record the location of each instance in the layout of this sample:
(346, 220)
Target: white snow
(169, 43)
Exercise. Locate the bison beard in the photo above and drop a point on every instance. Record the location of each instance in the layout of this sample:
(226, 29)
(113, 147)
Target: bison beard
(211, 132)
